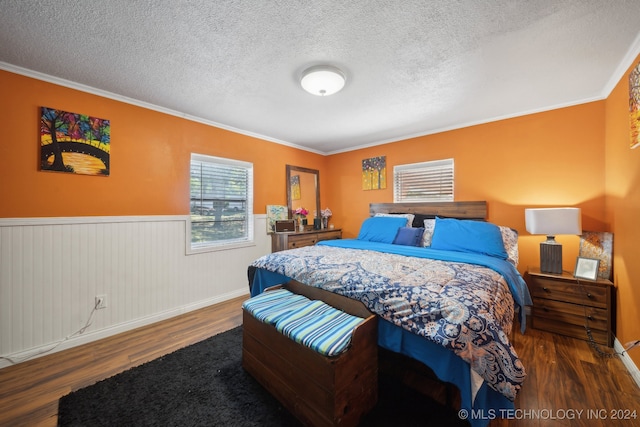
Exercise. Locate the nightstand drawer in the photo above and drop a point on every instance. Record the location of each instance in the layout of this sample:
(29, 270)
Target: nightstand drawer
(587, 294)
(575, 331)
(562, 312)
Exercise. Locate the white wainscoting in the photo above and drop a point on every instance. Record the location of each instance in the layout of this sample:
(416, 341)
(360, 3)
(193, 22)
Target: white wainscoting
(51, 270)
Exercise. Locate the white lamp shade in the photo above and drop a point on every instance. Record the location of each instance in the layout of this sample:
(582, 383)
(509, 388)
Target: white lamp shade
(322, 80)
(553, 221)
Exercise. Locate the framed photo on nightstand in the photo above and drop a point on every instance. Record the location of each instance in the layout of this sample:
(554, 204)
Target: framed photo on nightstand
(586, 268)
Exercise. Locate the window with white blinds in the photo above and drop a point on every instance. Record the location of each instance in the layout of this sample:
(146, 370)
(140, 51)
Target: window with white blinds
(423, 182)
(221, 202)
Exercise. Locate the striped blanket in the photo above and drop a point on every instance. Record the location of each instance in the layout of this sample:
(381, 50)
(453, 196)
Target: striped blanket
(311, 323)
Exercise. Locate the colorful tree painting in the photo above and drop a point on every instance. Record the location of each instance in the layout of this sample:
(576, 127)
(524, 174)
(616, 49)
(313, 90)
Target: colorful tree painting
(74, 143)
(374, 173)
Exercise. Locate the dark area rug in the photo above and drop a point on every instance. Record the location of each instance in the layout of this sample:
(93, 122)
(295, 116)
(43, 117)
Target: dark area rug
(205, 385)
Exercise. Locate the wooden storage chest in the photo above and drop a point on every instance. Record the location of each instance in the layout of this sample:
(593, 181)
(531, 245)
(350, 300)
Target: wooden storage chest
(318, 390)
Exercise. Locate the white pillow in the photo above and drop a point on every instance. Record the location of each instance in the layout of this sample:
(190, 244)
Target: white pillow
(510, 241)
(429, 226)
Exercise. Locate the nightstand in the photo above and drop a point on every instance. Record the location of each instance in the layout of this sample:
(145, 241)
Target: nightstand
(563, 304)
(292, 240)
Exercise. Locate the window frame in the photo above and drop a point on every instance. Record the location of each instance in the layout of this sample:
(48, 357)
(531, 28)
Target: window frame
(249, 238)
(431, 166)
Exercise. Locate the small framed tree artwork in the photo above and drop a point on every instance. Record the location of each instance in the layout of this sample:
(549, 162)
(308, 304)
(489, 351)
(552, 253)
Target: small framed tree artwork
(74, 143)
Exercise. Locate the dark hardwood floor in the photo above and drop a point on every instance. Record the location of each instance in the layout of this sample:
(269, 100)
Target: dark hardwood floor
(564, 375)
(29, 391)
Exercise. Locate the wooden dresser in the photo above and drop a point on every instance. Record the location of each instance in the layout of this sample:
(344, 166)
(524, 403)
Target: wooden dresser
(292, 240)
(563, 304)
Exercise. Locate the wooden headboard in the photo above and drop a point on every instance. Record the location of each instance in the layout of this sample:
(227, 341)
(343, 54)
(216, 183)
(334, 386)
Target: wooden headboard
(461, 210)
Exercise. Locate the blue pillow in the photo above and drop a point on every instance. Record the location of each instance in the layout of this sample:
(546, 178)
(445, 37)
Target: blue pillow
(382, 229)
(468, 236)
(409, 236)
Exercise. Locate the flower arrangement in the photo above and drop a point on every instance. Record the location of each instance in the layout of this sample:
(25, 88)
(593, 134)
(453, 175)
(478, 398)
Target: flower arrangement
(325, 213)
(301, 212)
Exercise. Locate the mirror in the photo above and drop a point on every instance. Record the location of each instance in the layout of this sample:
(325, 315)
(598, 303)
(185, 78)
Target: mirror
(303, 190)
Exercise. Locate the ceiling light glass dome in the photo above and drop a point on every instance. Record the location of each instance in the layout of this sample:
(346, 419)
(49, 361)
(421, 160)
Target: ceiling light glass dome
(322, 80)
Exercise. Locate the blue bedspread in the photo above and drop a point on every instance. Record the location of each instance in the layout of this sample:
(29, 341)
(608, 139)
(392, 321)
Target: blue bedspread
(459, 302)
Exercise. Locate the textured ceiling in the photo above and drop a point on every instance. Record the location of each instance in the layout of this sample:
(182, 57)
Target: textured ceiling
(413, 67)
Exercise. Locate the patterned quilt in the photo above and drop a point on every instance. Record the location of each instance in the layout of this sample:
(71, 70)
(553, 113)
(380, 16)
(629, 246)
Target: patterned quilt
(464, 307)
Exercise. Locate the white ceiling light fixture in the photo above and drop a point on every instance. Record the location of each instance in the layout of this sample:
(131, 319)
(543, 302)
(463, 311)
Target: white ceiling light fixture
(322, 80)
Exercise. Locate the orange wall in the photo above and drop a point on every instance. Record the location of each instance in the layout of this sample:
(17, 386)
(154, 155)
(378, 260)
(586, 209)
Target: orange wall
(554, 158)
(150, 154)
(623, 211)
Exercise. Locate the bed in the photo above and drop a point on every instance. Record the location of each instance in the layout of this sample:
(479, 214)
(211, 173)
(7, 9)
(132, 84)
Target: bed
(444, 285)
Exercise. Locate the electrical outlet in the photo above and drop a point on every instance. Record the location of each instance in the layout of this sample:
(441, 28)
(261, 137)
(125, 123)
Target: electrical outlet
(101, 302)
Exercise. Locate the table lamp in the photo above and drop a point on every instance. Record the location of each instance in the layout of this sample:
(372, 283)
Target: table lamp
(552, 221)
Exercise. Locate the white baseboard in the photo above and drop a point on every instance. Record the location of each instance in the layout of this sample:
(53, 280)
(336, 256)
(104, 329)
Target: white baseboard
(88, 337)
(627, 361)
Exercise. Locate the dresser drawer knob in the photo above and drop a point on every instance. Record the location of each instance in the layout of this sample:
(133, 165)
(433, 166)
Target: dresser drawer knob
(544, 288)
(589, 295)
(590, 317)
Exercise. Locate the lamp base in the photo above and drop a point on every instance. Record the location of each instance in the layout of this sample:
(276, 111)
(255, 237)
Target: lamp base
(551, 257)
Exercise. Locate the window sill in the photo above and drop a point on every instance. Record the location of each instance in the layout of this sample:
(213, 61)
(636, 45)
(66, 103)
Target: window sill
(221, 247)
